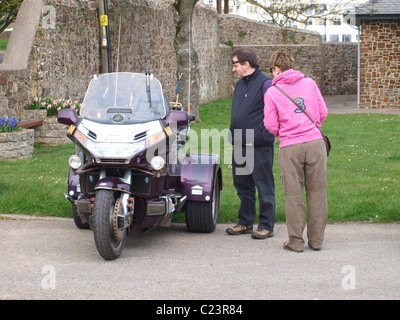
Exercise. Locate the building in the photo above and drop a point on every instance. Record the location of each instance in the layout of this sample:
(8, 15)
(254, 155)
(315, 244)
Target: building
(379, 22)
(335, 29)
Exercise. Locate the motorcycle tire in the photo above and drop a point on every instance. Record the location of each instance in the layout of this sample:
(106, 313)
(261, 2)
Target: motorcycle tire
(107, 245)
(201, 216)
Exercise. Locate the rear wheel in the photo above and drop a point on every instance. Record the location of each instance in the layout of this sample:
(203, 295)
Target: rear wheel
(201, 216)
(109, 239)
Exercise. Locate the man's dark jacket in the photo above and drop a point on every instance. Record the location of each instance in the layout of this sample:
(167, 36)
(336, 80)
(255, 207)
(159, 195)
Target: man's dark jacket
(248, 108)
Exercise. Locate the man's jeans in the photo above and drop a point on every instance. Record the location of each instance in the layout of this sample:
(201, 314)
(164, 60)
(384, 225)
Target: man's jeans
(257, 175)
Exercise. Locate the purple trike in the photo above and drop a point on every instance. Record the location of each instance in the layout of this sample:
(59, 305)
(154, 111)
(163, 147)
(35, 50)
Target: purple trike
(128, 174)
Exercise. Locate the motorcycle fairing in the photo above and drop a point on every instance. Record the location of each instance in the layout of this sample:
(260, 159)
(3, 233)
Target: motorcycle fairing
(113, 183)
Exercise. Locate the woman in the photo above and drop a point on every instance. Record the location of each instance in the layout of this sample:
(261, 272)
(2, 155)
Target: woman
(302, 155)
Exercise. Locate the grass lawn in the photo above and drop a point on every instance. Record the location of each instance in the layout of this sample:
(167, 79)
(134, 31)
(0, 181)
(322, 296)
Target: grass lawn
(3, 45)
(363, 170)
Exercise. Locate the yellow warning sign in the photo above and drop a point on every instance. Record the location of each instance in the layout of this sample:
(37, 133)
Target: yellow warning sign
(103, 20)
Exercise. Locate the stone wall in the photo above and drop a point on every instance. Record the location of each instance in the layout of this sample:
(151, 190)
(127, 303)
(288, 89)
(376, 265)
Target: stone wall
(62, 59)
(339, 68)
(51, 133)
(332, 65)
(380, 64)
(16, 145)
(307, 58)
(239, 31)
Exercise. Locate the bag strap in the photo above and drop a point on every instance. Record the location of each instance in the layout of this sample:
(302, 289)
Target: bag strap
(301, 109)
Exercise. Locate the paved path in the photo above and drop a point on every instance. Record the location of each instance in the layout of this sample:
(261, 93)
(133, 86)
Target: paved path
(52, 259)
(49, 258)
(347, 104)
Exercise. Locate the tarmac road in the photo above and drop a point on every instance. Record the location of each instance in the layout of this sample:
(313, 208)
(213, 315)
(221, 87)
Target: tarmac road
(49, 258)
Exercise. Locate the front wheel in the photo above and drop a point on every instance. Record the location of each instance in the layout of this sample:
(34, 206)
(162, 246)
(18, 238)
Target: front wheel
(108, 238)
(202, 216)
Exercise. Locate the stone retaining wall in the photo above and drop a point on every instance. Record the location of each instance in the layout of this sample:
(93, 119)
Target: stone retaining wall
(16, 145)
(51, 133)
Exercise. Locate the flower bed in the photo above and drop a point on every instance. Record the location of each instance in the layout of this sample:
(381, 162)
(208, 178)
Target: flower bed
(46, 108)
(52, 106)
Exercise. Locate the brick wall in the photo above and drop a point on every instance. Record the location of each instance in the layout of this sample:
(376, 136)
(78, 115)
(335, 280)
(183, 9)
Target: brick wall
(380, 64)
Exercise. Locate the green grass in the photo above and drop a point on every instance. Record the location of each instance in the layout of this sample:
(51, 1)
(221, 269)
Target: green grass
(363, 170)
(3, 45)
(36, 186)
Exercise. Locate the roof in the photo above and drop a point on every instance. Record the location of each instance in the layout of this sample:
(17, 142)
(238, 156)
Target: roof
(375, 10)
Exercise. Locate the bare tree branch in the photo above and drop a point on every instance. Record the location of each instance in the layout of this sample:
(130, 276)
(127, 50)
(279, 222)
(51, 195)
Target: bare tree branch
(281, 12)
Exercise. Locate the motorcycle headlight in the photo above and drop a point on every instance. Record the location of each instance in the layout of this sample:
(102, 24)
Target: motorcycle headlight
(75, 162)
(157, 163)
(116, 150)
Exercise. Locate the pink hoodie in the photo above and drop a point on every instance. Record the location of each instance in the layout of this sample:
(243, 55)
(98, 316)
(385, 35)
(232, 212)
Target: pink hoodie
(282, 117)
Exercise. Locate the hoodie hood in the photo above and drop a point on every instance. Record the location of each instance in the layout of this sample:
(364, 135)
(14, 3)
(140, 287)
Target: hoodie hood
(289, 77)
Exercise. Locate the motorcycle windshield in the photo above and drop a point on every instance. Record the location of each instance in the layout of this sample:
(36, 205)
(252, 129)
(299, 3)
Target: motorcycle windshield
(124, 98)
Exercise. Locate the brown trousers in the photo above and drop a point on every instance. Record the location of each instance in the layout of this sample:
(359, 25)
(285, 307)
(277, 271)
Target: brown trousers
(301, 165)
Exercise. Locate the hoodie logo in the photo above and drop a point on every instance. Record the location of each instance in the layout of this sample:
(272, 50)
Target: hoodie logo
(300, 103)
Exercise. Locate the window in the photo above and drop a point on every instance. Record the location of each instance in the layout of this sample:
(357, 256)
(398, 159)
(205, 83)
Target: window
(334, 37)
(346, 37)
(251, 10)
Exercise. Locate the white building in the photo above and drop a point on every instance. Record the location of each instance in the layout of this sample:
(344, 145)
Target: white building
(336, 30)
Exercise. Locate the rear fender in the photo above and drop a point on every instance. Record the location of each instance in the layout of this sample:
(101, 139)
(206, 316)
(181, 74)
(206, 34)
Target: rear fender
(199, 175)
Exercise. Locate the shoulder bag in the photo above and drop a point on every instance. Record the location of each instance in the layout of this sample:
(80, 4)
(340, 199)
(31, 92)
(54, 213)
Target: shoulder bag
(326, 139)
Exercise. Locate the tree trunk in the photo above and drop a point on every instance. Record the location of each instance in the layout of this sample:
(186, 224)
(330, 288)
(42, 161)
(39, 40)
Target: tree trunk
(186, 57)
(226, 7)
(219, 7)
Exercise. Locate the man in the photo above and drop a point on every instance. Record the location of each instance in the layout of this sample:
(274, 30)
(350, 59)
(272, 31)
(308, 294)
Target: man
(253, 143)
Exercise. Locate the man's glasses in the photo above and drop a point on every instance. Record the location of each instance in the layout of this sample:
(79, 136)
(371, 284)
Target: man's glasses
(234, 62)
(272, 69)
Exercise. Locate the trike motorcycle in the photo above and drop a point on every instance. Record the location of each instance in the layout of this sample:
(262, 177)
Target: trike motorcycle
(127, 174)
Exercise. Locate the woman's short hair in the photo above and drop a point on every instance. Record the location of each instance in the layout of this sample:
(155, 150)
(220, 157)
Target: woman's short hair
(282, 59)
(246, 54)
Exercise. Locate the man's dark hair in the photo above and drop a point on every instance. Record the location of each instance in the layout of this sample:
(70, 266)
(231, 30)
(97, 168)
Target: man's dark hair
(246, 54)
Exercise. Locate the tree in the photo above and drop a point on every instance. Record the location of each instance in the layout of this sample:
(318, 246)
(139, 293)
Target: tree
(8, 12)
(281, 12)
(186, 55)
